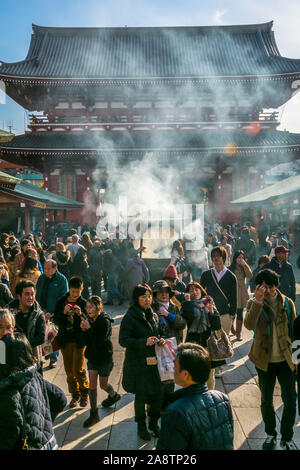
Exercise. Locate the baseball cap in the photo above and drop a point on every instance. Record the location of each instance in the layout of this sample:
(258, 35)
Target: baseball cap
(281, 249)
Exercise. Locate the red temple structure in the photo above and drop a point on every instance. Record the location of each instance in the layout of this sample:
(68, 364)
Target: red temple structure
(200, 99)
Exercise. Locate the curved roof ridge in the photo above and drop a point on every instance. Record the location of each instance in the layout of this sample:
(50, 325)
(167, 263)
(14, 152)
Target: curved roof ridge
(2, 62)
(265, 27)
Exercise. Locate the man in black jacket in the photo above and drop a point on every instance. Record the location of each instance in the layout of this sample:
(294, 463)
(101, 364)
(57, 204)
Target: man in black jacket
(197, 418)
(30, 318)
(281, 266)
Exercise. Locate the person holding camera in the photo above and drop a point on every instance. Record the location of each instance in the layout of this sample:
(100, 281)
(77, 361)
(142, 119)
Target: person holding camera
(68, 313)
(202, 317)
(271, 315)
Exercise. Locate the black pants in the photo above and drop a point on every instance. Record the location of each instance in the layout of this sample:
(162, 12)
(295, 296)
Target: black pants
(96, 284)
(266, 382)
(239, 314)
(154, 402)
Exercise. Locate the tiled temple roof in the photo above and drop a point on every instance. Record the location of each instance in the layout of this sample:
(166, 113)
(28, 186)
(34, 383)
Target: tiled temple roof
(140, 141)
(152, 52)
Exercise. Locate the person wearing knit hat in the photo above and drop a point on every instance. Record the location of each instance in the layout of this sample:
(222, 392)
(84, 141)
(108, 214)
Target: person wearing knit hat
(171, 272)
(171, 322)
(171, 277)
(279, 263)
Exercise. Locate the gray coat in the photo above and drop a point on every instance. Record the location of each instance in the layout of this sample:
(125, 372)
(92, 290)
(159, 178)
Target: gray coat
(136, 272)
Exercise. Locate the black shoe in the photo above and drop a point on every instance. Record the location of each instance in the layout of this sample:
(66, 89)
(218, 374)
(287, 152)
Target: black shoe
(154, 427)
(93, 419)
(52, 365)
(109, 401)
(121, 302)
(108, 303)
(143, 432)
(288, 445)
(270, 443)
(73, 402)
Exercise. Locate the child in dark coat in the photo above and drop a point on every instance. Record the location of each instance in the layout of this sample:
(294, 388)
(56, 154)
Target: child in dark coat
(99, 353)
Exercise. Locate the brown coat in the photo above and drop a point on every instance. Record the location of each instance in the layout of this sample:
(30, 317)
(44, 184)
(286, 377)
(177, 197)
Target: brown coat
(261, 348)
(30, 276)
(242, 273)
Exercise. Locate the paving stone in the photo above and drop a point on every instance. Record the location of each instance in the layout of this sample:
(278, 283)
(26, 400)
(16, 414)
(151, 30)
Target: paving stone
(237, 375)
(125, 408)
(239, 441)
(244, 396)
(124, 437)
(251, 422)
(117, 429)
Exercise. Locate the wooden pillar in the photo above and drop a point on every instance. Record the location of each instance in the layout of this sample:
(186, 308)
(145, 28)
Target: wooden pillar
(43, 221)
(27, 220)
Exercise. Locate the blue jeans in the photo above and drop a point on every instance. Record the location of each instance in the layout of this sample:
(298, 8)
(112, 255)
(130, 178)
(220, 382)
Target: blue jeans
(111, 287)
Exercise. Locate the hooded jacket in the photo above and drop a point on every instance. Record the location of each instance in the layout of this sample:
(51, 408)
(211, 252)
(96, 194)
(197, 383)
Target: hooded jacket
(41, 402)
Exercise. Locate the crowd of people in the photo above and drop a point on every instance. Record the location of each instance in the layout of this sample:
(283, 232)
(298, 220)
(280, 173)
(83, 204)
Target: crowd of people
(219, 287)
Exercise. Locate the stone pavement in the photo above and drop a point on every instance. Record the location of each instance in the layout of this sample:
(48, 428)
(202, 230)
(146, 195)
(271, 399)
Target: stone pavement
(117, 428)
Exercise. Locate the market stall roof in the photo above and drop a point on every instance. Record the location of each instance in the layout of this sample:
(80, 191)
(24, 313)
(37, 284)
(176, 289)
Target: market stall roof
(7, 180)
(281, 188)
(139, 52)
(42, 198)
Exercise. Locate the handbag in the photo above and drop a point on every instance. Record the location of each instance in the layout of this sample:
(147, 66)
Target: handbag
(166, 359)
(219, 346)
(50, 346)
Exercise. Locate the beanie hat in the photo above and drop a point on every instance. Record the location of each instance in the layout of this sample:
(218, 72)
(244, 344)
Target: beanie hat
(281, 249)
(171, 272)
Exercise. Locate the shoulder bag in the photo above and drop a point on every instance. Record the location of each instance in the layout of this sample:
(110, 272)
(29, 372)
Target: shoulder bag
(219, 346)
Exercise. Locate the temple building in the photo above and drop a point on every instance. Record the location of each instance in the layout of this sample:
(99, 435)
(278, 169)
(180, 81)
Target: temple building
(202, 100)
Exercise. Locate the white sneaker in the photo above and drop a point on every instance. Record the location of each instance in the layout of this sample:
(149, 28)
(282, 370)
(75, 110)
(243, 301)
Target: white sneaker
(219, 372)
(288, 445)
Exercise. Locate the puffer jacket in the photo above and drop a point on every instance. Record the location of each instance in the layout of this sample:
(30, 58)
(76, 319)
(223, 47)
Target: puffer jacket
(41, 400)
(197, 419)
(137, 325)
(255, 319)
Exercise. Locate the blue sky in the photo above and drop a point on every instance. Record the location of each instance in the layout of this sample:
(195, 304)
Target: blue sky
(16, 18)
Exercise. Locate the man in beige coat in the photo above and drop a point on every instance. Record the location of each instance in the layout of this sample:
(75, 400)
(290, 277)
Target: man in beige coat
(271, 315)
